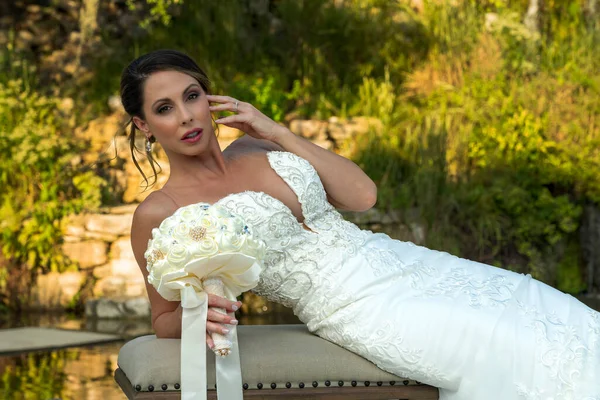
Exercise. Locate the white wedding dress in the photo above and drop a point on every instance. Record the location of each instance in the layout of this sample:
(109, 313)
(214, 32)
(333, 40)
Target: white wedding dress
(476, 332)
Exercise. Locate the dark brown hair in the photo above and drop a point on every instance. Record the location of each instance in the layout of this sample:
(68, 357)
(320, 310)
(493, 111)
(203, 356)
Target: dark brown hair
(133, 79)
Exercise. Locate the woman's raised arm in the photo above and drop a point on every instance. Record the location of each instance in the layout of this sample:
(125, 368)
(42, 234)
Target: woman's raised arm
(347, 186)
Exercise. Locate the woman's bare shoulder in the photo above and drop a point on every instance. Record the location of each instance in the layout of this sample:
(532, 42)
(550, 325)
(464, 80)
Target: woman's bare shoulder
(153, 210)
(248, 144)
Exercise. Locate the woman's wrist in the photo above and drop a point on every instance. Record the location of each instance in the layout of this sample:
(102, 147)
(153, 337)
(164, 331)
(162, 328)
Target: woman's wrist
(282, 135)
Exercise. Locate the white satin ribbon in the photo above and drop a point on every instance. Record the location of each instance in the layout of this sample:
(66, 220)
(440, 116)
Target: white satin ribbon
(193, 353)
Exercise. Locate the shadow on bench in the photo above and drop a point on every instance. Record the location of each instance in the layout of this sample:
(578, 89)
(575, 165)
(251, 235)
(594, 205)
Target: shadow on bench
(278, 361)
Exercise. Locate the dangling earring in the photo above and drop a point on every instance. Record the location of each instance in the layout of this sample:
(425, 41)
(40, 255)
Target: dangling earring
(148, 145)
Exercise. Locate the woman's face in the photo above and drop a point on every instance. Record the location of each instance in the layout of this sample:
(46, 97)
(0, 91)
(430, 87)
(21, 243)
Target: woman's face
(177, 112)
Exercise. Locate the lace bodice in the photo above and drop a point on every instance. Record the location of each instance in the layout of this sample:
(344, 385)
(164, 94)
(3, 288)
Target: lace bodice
(295, 255)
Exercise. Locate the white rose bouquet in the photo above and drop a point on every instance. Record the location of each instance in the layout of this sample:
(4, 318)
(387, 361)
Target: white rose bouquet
(202, 249)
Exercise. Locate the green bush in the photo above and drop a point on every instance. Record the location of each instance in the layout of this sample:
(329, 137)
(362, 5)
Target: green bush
(500, 152)
(40, 179)
(317, 49)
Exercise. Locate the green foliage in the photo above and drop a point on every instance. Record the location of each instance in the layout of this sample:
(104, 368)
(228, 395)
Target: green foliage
(40, 184)
(309, 56)
(501, 151)
(266, 95)
(158, 9)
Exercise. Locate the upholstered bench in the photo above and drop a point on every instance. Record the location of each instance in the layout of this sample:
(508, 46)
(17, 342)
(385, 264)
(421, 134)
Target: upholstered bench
(278, 361)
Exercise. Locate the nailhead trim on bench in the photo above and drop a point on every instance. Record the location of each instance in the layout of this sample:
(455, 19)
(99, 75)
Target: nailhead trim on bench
(288, 385)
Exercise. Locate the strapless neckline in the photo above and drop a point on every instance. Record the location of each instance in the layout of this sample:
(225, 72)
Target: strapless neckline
(264, 194)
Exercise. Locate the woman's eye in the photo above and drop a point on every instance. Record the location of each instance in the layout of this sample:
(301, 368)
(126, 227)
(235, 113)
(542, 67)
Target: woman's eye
(193, 96)
(163, 109)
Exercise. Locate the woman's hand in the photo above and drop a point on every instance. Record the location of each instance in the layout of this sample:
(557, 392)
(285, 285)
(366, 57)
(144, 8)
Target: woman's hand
(247, 118)
(216, 320)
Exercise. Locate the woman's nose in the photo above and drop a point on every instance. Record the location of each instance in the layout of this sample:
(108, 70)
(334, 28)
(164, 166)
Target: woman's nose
(186, 116)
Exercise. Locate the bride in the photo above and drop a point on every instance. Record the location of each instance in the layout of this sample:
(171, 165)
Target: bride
(472, 330)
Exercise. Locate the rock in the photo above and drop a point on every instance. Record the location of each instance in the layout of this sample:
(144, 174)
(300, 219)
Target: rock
(309, 129)
(227, 133)
(136, 190)
(371, 216)
(325, 144)
(86, 254)
(119, 210)
(105, 237)
(135, 287)
(100, 133)
(340, 130)
(55, 290)
(111, 224)
(127, 268)
(110, 286)
(121, 250)
(118, 307)
(75, 225)
(103, 271)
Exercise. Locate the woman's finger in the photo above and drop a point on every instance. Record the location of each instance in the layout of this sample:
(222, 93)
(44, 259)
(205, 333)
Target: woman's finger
(216, 316)
(220, 99)
(221, 302)
(209, 340)
(216, 328)
(231, 119)
(224, 107)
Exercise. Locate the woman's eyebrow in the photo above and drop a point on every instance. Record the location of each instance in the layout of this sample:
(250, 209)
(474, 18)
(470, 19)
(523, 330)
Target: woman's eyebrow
(166, 98)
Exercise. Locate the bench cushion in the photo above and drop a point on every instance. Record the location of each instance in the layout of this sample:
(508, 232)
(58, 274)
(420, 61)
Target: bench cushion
(268, 353)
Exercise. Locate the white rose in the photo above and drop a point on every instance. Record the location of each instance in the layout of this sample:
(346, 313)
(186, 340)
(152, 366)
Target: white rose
(219, 212)
(187, 214)
(208, 222)
(181, 233)
(178, 256)
(161, 242)
(159, 268)
(230, 242)
(166, 227)
(233, 225)
(238, 242)
(254, 247)
(205, 248)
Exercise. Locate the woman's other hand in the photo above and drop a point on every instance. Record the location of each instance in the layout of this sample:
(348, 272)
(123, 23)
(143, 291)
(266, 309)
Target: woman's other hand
(216, 321)
(246, 118)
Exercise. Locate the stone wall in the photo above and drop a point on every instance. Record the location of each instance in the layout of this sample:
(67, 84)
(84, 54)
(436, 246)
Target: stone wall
(108, 272)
